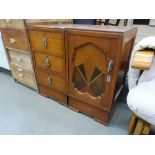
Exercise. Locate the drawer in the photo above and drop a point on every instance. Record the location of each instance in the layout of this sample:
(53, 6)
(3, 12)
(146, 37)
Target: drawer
(50, 42)
(23, 75)
(16, 39)
(50, 63)
(20, 58)
(51, 80)
(12, 23)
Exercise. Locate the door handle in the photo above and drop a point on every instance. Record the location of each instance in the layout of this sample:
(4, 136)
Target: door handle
(110, 68)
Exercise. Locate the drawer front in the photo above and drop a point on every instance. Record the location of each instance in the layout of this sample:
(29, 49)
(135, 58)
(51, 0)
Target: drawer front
(47, 41)
(16, 39)
(12, 23)
(50, 63)
(23, 75)
(51, 80)
(20, 58)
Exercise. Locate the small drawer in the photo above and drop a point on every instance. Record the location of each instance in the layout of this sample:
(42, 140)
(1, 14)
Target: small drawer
(51, 80)
(23, 75)
(20, 58)
(50, 42)
(16, 39)
(12, 23)
(50, 63)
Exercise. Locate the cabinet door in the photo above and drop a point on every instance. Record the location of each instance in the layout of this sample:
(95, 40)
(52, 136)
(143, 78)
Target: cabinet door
(91, 67)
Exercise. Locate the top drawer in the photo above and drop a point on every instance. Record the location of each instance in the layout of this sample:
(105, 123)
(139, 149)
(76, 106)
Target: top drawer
(12, 23)
(16, 39)
(51, 42)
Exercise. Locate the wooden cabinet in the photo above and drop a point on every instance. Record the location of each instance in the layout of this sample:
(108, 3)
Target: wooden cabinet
(82, 66)
(49, 61)
(16, 42)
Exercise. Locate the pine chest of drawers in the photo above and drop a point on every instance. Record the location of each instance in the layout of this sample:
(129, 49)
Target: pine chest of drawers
(83, 67)
(16, 42)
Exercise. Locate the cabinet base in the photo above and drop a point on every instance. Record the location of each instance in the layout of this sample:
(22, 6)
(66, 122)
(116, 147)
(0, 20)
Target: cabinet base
(98, 114)
(53, 94)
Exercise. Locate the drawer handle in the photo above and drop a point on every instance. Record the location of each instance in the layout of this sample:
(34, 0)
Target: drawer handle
(46, 62)
(49, 80)
(44, 40)
(110, 67)
(12, 40)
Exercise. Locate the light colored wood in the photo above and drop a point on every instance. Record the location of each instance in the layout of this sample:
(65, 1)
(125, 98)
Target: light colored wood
(139, 127)
(53, 21)
(20, 58)
(16, 39)
(143, 60)
(132, 125)
(146, 129)
(12, 23)
(23, 75)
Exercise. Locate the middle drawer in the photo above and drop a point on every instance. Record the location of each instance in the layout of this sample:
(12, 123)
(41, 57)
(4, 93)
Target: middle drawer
(20, 58)
(49, 63)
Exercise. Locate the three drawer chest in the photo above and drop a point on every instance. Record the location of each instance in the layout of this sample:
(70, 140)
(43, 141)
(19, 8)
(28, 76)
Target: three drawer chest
(82, 67)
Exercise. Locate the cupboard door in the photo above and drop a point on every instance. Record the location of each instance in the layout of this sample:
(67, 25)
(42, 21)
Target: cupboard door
(91, 68)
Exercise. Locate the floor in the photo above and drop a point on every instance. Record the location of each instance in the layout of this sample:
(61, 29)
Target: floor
(24, 111)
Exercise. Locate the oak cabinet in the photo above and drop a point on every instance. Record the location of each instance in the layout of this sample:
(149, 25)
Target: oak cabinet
(83, 67)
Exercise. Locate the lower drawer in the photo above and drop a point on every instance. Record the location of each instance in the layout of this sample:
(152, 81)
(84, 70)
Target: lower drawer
(51, 80)
(23, 75)
(49, 92)
(20, 58)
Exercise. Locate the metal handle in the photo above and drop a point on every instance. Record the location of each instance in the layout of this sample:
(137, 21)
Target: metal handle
(49, 80)
(46, 62)
(44, 40)
(110, 67)
(12, 40)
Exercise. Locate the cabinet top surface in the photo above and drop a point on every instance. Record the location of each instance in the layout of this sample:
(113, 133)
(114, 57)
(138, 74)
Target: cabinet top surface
(115, 29)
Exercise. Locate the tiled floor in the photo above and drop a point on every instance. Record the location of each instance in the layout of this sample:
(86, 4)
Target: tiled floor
(24, 111)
